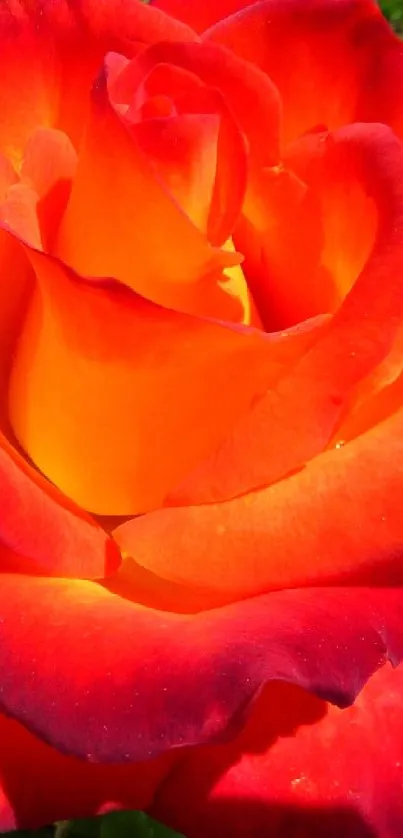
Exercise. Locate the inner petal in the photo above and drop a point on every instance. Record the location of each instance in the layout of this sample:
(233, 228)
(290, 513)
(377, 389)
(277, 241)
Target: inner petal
(183, 151)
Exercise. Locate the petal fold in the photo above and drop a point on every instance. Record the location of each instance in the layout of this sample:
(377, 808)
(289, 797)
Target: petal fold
(310, 48)
(107, 390)
(105, 232)
(106, 680)
(295, 422)
(299, 531)
(300, 768)
(42, 532)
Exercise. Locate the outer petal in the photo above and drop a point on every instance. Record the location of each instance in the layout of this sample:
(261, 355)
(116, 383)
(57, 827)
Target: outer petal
(39, 785)
(108, 391)
(310, 48)
(300, 769)
(50, 55)
(40, 530)
(295, 422)
(107, 680)
(43, 532)
(200, 15)
(300, 531)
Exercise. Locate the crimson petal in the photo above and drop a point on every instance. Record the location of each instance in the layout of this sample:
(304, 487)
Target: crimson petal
(107, 680)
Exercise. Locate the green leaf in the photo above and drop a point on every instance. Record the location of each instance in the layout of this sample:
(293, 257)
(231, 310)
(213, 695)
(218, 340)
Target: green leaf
(113, 825)
(393, 11)
(130, 824)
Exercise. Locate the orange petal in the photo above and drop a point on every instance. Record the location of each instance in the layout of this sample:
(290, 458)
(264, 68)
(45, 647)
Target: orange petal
(375, 398)
(16, 282)
(8, 176)
(303, 251)
(18, 213)
(183, 150)
(294, 422)
(112, 396)
(125, 225)
(48, 157)
(300, 531)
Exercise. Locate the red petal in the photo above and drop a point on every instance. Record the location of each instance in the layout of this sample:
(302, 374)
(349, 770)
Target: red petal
(312, 47)
(50, 55)
(107, 680)
(249, 93)
(300, 531)
(43, 532)
(200, 15)
(303, 251)
(39, 785)
(300, 769)
(292, 424)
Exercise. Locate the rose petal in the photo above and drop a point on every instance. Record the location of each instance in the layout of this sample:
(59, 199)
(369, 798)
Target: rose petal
(48, 158)
(18, 214)
(376, 397)
(303, 251)
(300, 531)
(51, 54)
(300, 768)
(105, 233)
(39, 785)
(107, 680)
(183, 150)
(43, 532)
(200, 15)
(211, 190)
(249, 93)
(310, 48)
(108, 391)
(295, 422)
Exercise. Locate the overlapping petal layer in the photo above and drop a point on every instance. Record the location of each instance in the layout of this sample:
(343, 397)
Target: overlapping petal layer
(200, 15)
(311, 48)
(138, 248)
(51, 53)
(337, 519)
(42, 532)
(108, 391)
(249, 92)
(39, 785)
(295, 422)
(300, 769)
(276, 775)
(303, 251)
(115, 677)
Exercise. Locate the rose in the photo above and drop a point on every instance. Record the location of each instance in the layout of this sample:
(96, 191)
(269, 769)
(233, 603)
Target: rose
(244, 421)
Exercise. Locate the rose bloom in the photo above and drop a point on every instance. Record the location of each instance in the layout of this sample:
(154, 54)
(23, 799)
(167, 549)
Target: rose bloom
(201, 451)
